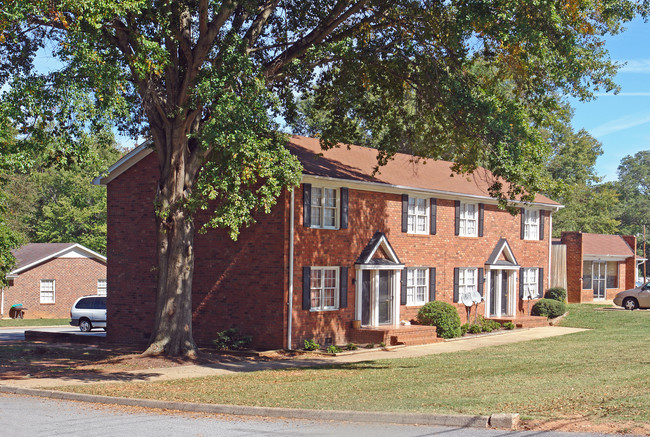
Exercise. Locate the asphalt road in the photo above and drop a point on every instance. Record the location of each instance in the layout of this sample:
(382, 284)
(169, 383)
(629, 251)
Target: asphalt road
(33, 416)
(16, 334)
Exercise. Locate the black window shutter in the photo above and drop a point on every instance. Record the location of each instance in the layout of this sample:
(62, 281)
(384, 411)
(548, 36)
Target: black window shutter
(521, 283)
(541, 225)
(457, 217)
(306, 288)
(540, 293)
(432, 284)
(456, 281)
(306, 205)
(402, 299)
(433, 208)
(523, 223)
(481, 281)
(481, 210)
(344, 208)
(405, 212)
(343, 288)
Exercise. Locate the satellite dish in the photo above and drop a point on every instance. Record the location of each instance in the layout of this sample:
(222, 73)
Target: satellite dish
(466, 299)
(476, 297)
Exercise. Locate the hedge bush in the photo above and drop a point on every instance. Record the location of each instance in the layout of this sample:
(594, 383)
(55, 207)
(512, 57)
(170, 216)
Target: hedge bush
(548, 308)
(557, 293)
(443, 316)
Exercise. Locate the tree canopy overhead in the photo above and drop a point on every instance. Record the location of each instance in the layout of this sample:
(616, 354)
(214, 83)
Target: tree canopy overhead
(470, 81)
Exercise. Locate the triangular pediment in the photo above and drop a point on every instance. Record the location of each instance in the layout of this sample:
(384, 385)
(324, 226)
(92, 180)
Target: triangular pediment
(502, 255)
(378, 251)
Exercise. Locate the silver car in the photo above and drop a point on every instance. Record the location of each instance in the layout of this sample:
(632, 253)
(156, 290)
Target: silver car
(89, 312)
(634, 298)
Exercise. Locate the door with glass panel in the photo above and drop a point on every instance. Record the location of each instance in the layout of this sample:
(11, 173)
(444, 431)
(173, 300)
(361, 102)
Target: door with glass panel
(599, 278)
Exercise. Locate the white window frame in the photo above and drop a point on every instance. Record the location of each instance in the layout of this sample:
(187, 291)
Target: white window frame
(102, 285)
(531, 224)
(319, 209)
(418, 220)
(417, 282)
(466, 219)
(464, 285)
(531, 282)
(321, 289)
(45, 288)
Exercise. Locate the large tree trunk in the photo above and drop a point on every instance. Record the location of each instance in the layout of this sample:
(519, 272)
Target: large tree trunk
(172, 333)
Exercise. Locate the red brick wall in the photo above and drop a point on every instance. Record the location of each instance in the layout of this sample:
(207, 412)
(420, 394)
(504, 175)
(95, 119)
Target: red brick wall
(573, 242)
(370, 212)
(236, 284)
(74, 277)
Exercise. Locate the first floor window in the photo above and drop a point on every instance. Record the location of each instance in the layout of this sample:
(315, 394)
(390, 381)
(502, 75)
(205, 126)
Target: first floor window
(417, 215)
(47, 290)
(101, 287)
(467, 280)
(416, 286)
(531, 285)
(323, 207)
(324, 288)
(594, 273)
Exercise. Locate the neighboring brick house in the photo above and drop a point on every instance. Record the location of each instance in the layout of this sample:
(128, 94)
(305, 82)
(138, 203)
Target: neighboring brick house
(598, 266)
(49, 277)
(347, 245)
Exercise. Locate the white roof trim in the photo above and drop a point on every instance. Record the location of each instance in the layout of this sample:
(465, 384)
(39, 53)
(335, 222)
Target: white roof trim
(587, 257)
(78, 246)
(126, 162)
(383, 242)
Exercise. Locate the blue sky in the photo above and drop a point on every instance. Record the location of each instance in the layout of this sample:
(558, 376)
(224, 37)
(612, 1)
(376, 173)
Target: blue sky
(621, 122)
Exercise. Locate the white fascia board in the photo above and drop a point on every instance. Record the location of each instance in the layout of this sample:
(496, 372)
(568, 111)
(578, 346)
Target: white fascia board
(126, 162)
(587, 257)
(381, 187)
(77, 246)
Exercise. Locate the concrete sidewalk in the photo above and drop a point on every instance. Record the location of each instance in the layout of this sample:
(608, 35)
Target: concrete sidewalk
(234, 366)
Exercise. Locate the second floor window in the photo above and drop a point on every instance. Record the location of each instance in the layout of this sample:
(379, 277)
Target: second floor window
(468, 226)
(531, 224)
(323, 207)
(417, 216)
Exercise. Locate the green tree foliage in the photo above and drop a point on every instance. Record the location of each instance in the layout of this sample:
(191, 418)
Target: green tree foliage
(9, 240)
(204, 79)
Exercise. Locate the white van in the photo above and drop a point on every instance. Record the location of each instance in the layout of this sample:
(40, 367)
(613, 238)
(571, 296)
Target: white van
(89, 312)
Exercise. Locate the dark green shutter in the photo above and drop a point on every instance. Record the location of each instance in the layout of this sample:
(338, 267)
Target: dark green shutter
(523, 223)
(540, 293)
(456, 281)
(521, 283)
(306, 205)
(481, 281)
(405, 212)
(481, 213)
(433, 208)
(343, 288)
(457, 217)
(541, 225)
(402, 299)
(432, 284)
(306, 288)
(344, 208)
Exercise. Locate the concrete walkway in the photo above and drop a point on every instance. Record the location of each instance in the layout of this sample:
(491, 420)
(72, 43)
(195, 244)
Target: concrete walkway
(234, 366)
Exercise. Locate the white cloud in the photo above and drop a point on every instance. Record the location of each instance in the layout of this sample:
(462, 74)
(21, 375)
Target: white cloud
(636, 66)
(620, 124)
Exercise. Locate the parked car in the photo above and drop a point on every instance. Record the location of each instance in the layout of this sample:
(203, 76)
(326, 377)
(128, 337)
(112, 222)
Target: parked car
(89, 312)
(638, 297)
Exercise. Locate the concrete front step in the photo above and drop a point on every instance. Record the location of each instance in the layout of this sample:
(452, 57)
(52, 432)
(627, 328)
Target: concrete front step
(407, 335)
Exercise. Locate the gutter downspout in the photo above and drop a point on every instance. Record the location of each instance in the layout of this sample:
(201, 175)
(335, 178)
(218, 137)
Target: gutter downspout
(550, 247)
(290, 302)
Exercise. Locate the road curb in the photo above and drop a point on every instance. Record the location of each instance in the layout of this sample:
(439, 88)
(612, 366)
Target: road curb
(501, 421)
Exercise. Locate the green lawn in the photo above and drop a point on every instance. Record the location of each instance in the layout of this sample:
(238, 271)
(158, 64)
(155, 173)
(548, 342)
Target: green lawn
(602, 374)
(5, 323)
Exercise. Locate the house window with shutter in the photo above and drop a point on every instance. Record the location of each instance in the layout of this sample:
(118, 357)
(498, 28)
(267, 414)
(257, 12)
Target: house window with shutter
(47, 290)
(468, 220)
(324, 207)
(531, 224)
(467, 280)
(417, 286)
(531, 284)
(418, 216)
(324, 288)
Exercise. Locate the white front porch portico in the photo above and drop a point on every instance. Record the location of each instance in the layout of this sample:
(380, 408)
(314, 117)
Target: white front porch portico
(501, 282)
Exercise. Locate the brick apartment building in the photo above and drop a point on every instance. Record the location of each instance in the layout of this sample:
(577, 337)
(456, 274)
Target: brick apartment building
(346, 248)
(49, 277)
